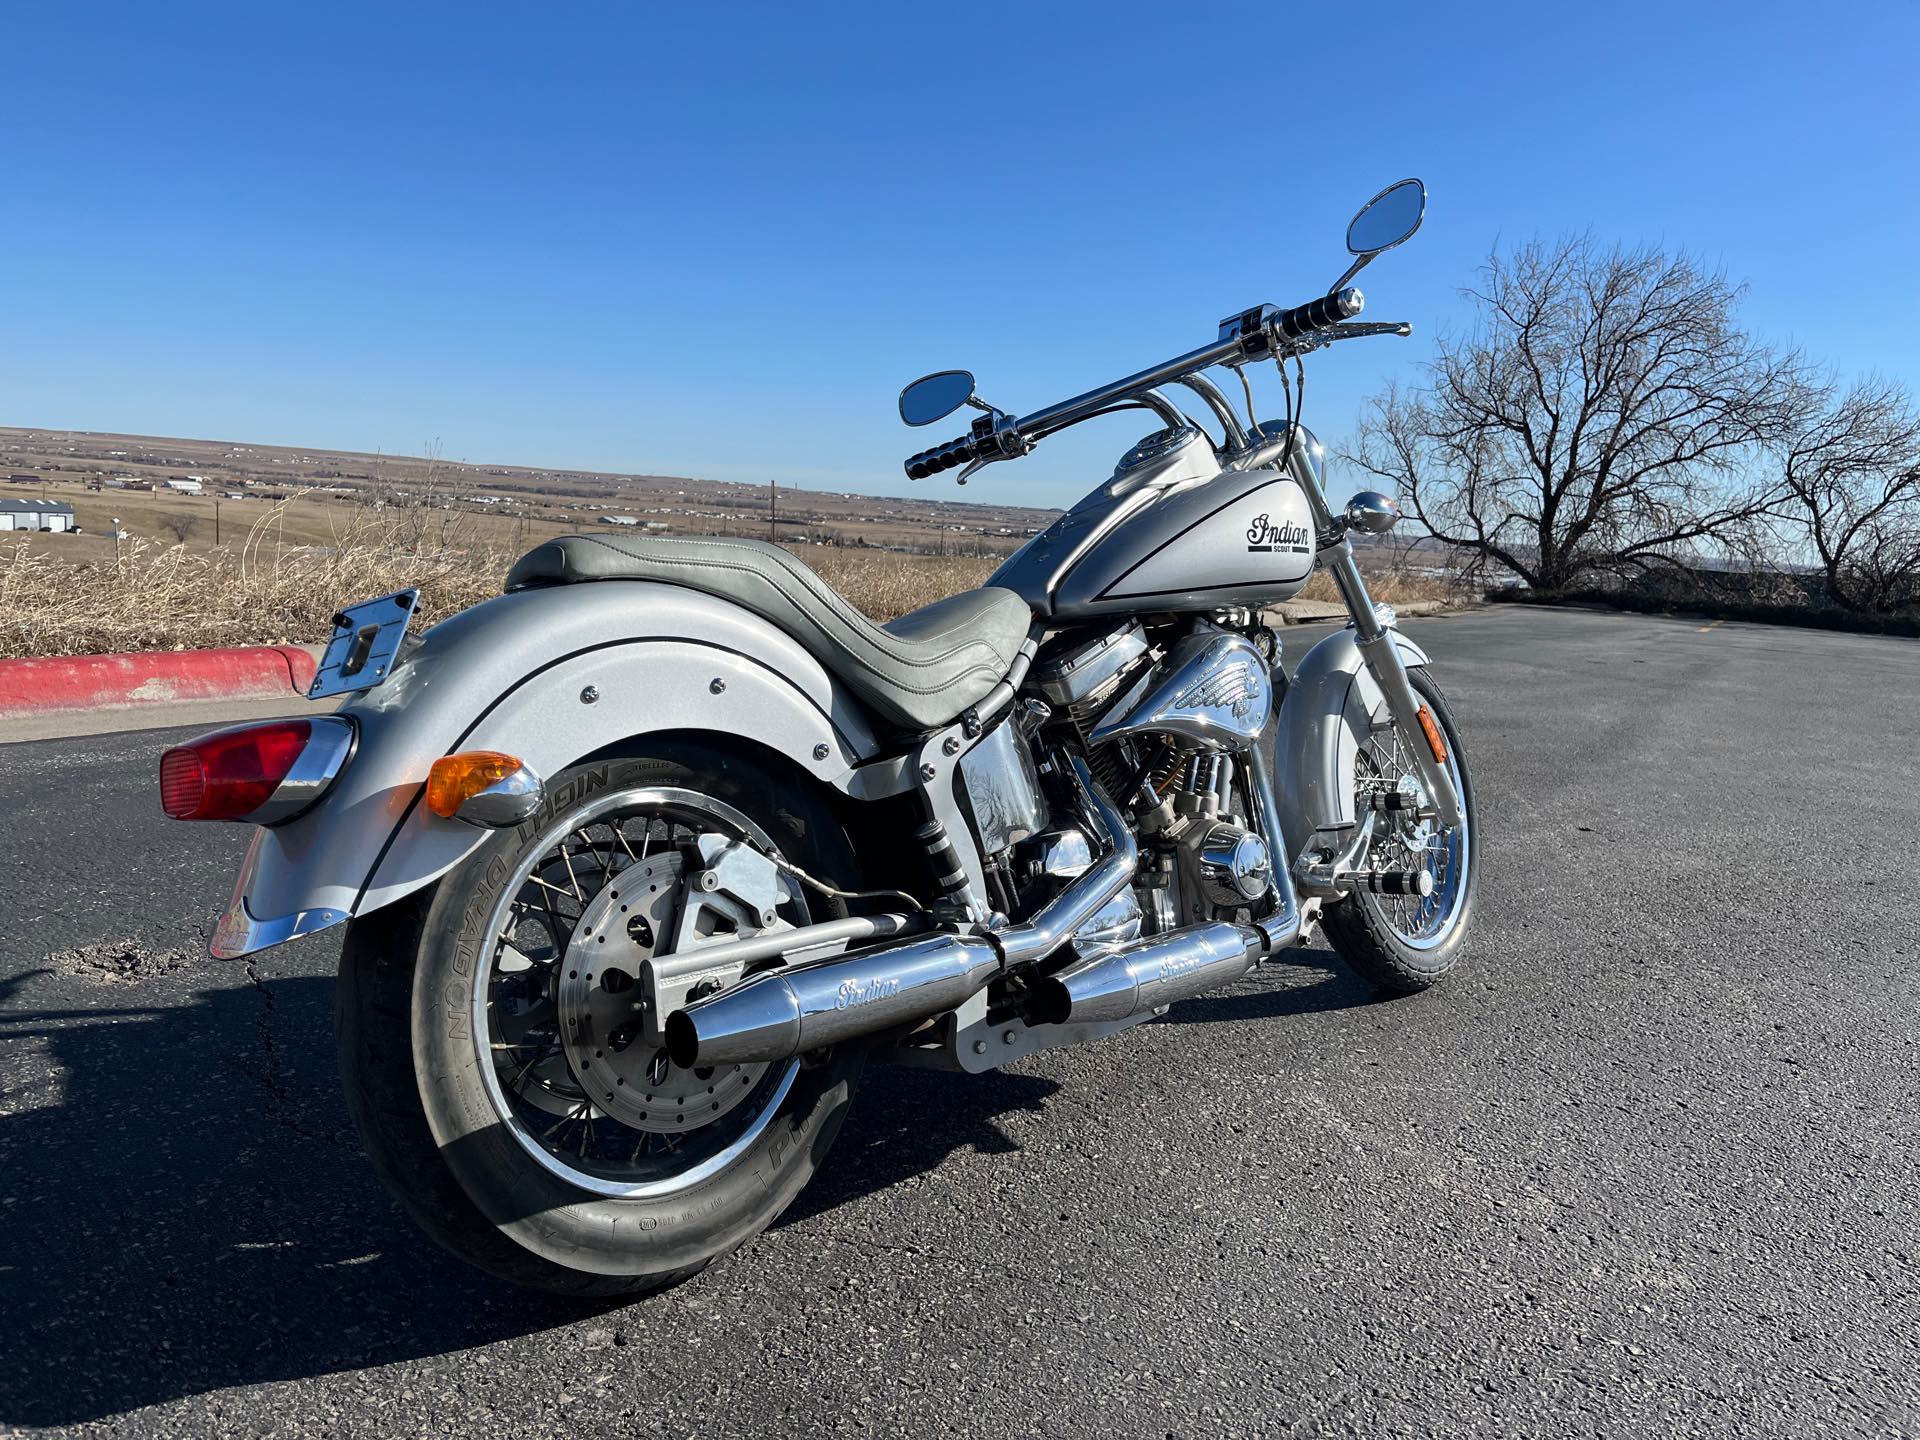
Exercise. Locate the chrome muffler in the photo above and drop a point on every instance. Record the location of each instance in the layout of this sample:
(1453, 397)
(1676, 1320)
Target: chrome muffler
(1148, 974)
(788, 1012)
(1158, 971)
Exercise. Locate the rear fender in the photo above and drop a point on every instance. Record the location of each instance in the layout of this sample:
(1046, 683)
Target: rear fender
(553, 676)
(1325, 718)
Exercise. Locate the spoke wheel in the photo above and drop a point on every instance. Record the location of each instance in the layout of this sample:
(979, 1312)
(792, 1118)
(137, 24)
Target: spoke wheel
(1404, 943)
(1406, 841)
(505, 1085)
(570, 1048)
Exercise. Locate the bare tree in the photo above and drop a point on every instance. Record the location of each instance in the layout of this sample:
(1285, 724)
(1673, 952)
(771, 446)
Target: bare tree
(1601, 418)
(1852, 476)
(181, 524)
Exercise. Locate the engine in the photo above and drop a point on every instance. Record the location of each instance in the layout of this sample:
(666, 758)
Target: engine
(1161, 719)
(1082, 680)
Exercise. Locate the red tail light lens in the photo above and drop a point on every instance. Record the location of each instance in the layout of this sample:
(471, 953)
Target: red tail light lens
(230, 774)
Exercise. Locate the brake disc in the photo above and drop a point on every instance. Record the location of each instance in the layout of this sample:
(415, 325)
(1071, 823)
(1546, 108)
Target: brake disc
(601, 1005)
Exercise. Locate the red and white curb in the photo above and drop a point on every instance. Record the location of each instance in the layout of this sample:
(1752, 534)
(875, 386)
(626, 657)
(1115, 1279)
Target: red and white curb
(153, 677)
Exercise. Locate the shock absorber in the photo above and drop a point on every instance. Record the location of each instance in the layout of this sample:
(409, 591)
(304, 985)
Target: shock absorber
(944, 861)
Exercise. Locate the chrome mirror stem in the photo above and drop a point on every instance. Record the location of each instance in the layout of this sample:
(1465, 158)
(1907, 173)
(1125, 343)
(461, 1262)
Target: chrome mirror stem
(1360, 262)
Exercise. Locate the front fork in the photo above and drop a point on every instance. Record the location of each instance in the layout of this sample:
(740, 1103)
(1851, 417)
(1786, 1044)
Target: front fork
(1382, 656)
(1375, 641)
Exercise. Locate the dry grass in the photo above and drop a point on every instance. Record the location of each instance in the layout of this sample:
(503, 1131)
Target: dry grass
(885, 584)
(1390, 587)
(268, 592)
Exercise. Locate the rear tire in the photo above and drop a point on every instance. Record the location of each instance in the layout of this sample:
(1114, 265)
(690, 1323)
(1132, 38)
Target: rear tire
(411, 1063)
(1361, 927)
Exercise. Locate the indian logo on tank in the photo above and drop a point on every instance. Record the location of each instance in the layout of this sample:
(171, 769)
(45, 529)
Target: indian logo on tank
(1264, 536)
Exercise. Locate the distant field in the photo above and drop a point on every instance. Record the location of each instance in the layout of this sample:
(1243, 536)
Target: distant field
(521, 504)
(306, 520)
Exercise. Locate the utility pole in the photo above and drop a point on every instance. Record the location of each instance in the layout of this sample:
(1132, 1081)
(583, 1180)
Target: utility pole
(216, 520)
(773, 508)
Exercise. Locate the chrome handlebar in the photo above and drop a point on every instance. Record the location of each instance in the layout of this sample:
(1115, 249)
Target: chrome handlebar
(1257, 334)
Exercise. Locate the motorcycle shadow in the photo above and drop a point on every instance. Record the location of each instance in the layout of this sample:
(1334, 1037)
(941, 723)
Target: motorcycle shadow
(193, 1211)
(1306, 982)
(907, 1121)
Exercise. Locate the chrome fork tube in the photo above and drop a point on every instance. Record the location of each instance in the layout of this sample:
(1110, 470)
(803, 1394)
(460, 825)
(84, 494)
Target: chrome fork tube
(1377, 649)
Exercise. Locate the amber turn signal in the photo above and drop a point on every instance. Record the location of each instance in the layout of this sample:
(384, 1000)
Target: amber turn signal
(456, 779)
(1436, 742)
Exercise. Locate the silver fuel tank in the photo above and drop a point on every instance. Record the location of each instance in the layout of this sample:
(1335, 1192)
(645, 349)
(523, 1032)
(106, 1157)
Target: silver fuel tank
(1170, 531)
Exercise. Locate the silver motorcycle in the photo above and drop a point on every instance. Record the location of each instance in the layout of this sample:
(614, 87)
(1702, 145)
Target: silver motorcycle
(641, 862)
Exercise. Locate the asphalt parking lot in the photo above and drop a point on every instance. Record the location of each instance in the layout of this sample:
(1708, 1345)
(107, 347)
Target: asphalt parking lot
(1647, 1167)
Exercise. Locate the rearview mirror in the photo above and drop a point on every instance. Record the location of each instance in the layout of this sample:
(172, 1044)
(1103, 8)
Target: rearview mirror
(1388, 219)
(1372, 513)
(934, 397)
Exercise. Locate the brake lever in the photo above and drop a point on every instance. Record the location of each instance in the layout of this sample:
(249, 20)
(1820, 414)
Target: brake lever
(1359, 329)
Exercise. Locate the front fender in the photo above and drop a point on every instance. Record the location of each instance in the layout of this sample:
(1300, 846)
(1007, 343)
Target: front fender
(550, 675)
(1325, 717)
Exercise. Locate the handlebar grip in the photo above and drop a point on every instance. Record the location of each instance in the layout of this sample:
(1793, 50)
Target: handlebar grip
(941, 457)
(1319, 314)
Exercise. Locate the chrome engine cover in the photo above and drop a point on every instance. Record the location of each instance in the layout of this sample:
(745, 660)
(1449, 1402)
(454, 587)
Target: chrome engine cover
(1212, 691)
(1234, 866)
(1080, 674)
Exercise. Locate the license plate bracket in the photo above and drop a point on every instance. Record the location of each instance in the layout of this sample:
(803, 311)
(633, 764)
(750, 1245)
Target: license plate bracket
(366, 638)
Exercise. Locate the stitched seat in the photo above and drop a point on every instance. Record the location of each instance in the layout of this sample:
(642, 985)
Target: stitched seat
(920, 671)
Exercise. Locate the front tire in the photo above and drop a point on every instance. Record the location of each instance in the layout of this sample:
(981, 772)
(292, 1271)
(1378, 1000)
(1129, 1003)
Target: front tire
(1402, 946)
(427, 1043)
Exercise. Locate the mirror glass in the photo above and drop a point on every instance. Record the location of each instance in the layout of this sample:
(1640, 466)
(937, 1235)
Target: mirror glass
(934, 397)
(1388, 218)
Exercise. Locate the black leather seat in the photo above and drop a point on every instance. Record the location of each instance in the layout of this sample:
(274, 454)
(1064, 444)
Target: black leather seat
(921, 671)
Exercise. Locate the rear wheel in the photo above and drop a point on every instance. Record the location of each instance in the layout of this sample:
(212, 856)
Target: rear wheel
(1404, 943)
(507, 1076)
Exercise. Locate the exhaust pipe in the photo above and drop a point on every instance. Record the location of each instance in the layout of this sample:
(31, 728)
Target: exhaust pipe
(789, 1012)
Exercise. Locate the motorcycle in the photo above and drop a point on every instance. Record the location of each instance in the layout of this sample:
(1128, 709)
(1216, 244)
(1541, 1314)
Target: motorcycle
(641, 862)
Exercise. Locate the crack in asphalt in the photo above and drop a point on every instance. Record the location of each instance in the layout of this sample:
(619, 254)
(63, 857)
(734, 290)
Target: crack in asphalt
(281, 1101)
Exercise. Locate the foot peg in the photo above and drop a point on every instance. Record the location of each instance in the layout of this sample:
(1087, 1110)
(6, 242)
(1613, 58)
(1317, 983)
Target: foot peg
(1388, 882)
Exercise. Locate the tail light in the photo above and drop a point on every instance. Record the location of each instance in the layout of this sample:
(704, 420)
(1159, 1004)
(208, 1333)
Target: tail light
(258, 773)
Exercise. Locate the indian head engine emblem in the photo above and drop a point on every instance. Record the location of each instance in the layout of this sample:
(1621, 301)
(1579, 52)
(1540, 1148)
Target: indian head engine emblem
(1233, 684)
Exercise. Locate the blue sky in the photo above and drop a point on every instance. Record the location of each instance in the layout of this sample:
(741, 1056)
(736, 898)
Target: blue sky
(716, 240)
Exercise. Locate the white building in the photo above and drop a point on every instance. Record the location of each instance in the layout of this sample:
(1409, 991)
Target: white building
(188, 486)
(54, 516)
(619, 519)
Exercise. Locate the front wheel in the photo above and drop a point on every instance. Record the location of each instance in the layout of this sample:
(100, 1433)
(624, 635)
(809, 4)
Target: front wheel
(503, 1064)
(1404, 943)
